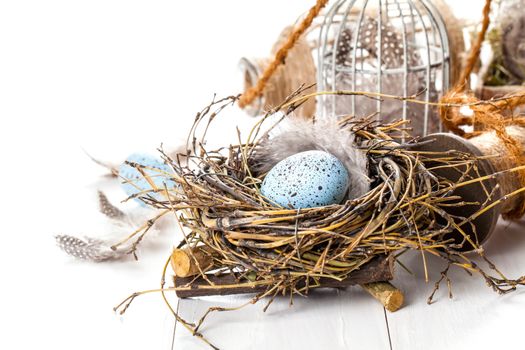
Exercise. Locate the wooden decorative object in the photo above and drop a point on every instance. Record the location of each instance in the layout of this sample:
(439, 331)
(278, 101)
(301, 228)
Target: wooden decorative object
(190, 262)
(372, 277)
(391, 297)
(378, 270)
(493, 159)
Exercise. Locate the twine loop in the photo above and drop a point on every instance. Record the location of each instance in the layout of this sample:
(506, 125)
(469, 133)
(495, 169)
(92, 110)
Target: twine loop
(255, 91)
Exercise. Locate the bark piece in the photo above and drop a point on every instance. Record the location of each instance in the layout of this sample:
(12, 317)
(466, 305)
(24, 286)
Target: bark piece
(186, 262)
(378, 269)
(387, 294)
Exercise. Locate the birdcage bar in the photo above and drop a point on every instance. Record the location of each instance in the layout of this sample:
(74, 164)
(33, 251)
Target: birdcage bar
(383, 45)
(427, 71)
(356, 41)
(379, 56)
(336, 43)
(323, 43)
(405, 63)
(387, 71)
(324, 32)
(444, 44)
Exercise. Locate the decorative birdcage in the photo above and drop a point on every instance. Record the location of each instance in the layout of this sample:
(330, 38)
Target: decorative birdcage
(394, 47)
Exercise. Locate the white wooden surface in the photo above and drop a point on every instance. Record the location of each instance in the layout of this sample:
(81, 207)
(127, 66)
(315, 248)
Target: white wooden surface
(476, 317)
(119, 76)
(337, 320)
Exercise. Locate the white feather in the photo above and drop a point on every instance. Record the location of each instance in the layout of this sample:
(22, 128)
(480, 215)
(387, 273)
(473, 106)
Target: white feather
(115, 226)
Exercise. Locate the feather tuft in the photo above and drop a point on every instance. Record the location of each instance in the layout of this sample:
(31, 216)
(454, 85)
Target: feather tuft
(108, 209)
(88, 248)
(118, 225)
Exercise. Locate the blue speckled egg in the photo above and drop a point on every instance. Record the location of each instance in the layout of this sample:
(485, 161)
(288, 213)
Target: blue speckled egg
(133, 182)
(306, 180)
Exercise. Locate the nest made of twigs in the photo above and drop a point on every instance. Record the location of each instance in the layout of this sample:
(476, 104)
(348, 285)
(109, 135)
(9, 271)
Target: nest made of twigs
(218, 201)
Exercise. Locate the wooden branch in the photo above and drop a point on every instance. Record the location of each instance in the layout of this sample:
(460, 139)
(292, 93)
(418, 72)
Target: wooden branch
(377, 270)
(190, 262)
(388, 295)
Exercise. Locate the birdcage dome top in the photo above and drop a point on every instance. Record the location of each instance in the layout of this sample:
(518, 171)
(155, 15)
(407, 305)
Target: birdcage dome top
(397, 47)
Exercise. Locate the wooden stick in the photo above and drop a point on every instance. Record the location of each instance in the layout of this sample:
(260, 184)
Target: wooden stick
(185, 265)
(187, 262)
(378, 269)
(387, 294)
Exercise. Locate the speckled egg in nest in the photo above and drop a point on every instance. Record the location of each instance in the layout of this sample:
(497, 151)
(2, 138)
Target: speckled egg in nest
(306, 180)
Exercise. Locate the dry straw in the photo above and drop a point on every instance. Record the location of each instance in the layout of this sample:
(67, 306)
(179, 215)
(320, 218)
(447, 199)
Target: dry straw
(258, 247)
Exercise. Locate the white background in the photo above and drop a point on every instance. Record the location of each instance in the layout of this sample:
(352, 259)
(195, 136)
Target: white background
(115, 77)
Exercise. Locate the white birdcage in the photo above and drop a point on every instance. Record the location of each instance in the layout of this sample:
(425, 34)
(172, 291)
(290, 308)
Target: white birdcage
(395, 47)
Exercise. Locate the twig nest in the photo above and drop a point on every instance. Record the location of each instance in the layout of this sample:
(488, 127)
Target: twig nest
(141, 173)
(306, 180)
(396, 202)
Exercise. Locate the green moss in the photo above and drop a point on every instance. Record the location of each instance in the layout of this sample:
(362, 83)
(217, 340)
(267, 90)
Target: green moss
(497, 74)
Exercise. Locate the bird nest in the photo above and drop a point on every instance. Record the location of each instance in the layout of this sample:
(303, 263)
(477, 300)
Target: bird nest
(219, 201)
(238, 241)
(232, 230)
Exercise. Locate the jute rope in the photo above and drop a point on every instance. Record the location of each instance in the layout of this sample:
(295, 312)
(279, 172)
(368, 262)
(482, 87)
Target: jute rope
(493, 146)
(280, 57)
(488, 117)
(298, 70)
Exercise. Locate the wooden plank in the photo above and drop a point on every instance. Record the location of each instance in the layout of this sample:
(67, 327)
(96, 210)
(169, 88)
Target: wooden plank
(476, 317)
(326, 319)
(379, 269)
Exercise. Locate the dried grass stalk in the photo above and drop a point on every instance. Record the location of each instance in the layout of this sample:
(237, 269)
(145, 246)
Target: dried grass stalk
(290, 251)
(218, 202)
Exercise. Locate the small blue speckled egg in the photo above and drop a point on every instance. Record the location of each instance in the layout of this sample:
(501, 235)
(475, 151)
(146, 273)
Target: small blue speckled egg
(133, 182)
(306, 180)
